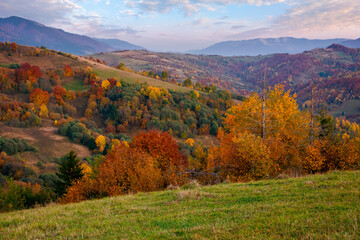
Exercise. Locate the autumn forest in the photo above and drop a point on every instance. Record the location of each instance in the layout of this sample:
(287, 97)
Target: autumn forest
(142, 137)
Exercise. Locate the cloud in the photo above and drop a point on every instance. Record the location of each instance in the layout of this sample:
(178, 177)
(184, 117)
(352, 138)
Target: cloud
(320, 16)
(110, 30)
(308, 18)
(44, 11)
(66, 15)
(128, 12)
(237, 26)
(200, 21)
(94, 28)
(221, 23)
(87, 17)
(189, 7)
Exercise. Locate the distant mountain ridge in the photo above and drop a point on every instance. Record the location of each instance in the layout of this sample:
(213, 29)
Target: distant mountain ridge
(351, 43)
(31, 33)
(265, 46)
(119, 44)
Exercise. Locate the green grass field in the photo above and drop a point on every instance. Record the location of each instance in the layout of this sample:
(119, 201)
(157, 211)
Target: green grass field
(313, 207)
(76, 85)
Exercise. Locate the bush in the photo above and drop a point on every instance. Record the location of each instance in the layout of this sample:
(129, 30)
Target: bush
(15, 145)
(78, 133)
(19, 195)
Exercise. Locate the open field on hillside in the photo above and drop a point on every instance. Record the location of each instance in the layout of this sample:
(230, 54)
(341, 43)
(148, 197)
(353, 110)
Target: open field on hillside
(58, 62)
(105, 72)
(45, 138)
(133, 78)
(314, 207)
(75, 84)
(44, 62)
(350, 107)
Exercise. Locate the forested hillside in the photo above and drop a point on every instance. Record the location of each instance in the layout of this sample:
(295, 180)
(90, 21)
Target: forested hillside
(334, 72)
(92, 131)
(49, 96)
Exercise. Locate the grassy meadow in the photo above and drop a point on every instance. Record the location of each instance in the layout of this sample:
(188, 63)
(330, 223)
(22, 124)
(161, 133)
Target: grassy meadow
(107, 72)
(313, 207)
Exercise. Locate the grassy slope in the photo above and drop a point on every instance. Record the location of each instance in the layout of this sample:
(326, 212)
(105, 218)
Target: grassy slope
(45, 138)
(313, 207)
(105, 72)
(133, 78)
(348, 108)
(58, 62)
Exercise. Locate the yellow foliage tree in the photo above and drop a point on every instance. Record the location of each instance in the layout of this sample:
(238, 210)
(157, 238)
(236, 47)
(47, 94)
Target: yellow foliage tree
(86, 169)
(190, 142)
(100, 142)
(154, 92)
(241, 157)
(114, 143)
(105, 84)
(278, 121)
(43, 111)
(313, 160)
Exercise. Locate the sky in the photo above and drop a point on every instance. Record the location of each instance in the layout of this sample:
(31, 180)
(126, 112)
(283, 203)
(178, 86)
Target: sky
(181, 25)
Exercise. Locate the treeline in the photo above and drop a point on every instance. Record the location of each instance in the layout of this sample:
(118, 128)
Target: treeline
(20, 186)
(292, 142)
(125, 105)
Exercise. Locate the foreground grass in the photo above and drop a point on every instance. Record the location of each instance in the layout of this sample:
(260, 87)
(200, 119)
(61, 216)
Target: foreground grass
(313, 207)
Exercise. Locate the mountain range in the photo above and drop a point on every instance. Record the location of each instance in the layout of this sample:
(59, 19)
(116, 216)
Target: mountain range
(30, 33)
(264, 46)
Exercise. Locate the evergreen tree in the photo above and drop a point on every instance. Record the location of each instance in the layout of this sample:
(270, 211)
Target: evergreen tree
(69, 171)
(187, 82)
(164, 75)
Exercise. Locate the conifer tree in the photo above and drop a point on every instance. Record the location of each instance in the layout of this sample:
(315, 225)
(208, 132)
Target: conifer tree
(69, 171)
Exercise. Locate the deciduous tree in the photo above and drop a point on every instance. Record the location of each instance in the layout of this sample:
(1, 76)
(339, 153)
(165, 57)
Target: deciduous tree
(39, 97)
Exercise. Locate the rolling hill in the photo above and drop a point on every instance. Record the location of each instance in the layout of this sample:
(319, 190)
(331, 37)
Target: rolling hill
(30, 33)
(58, 61)
(265, 46)
(334, 69)
(312, 207)
(45, 138)
(351, 43)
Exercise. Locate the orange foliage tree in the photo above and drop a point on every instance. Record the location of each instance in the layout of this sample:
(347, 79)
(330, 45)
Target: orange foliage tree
(14, 46)
(165, 151)
(128, 170)
(68, 71)
(27, 72)
(39, 97)
(59, 93)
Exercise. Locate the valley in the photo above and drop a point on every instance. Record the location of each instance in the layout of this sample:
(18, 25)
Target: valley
(196, 119)
(334, 72)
